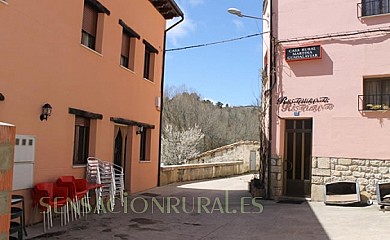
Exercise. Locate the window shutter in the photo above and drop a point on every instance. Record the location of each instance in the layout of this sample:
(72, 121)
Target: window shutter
(81, 121)
(125, 45)
(90, 20)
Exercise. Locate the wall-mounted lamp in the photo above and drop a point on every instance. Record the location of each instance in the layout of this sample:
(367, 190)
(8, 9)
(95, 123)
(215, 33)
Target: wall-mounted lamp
(2, 98)
(46, 111)
(140, 129)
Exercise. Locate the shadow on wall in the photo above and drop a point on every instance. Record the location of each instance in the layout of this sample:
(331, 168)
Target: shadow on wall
(378, 19)
(380, 115)
(314, 67)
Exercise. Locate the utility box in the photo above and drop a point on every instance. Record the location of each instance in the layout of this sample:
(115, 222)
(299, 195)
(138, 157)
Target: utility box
(24, 162)
(7, 142)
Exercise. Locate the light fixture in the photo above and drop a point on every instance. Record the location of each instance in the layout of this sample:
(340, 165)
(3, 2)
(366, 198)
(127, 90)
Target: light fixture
(238, 12)
(140, 129)
(46, 111)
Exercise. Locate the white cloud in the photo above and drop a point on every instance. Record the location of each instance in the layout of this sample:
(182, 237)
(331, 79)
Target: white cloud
(195, 2)
(238, 23)
(180, 31)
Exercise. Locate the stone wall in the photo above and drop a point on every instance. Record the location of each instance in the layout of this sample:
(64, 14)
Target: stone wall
(276, 177)
(190, 172)
(239, 151)
(366, 171)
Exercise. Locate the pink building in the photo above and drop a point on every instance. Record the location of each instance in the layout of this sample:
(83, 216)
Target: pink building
(327, 69)
(99, 66)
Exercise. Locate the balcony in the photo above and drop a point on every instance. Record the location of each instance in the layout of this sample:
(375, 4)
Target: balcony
(373, 7)
(378, 102)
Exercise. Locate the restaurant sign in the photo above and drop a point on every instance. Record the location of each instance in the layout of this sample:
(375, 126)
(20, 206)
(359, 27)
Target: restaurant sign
(301, 104)
(303, 53)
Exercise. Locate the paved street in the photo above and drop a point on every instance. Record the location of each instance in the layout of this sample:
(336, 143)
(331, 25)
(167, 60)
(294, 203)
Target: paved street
(221, 209)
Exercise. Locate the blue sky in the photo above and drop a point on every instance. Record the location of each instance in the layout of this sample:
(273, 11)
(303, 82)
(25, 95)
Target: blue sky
(227, 72)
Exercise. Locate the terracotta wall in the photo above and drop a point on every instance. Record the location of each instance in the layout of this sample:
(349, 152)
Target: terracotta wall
(42, 61)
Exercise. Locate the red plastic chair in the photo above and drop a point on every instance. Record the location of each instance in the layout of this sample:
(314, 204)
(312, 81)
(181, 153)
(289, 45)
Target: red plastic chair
(78, 193)
(48, 197)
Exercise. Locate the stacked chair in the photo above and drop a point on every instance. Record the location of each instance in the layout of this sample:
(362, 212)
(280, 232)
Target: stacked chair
(77, 189)
(110, 179)
(49, 198)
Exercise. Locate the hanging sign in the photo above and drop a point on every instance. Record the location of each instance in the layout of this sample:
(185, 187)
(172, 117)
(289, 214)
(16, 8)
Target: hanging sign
(303, 53)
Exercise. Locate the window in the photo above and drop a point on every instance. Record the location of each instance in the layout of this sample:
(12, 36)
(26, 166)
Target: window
(81, 140)
(88, 33)
(375, 7)
(149, 60)
(144, 145)
(128, 46)
(92, 23)
(376, 94)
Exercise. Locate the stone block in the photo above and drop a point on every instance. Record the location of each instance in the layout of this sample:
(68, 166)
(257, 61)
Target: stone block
(378, 176)
(383, 170)
(346, 173)
(321, 172)
(341, 168)
(317, 193)
(323, 163)
(354, 167)
(374, 163)
(336, 173)
(274, 162)
(358, 162)
(279, 177)
(276, 169)
(362, 168)
(357, 174)
(387, 163)
(345, 161)
(314, 162)
(317, 180)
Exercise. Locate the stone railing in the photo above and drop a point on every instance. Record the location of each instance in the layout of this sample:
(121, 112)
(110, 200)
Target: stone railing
(190, 172)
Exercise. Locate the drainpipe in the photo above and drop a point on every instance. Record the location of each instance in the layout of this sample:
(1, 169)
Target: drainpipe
(272, 84)
(162, 93)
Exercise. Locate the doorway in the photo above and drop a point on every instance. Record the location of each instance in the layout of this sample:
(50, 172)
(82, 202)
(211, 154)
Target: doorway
(297, 160)
(120, 148)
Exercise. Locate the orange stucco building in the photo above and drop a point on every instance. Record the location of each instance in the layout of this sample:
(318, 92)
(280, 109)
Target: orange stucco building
(99, 65)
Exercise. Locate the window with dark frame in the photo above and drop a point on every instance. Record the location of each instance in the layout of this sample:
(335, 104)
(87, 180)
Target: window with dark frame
(81, 140)
(143, 145)
(147, 64)
(125, 50)
(375, 7)
(89, 28)
(150, 51)
(376, 94)
(128, 45)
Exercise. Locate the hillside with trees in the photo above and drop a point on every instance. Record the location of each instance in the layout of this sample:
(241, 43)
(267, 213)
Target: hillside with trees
(192, 125)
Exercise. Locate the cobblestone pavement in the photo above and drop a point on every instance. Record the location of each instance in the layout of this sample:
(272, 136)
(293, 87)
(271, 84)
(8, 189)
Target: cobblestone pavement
(220, 209)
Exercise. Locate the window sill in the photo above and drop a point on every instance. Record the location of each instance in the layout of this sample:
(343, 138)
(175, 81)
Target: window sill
(150, 81)
(80, 166)
(4, 2)
(127, 69)
(97, 53)
(145, 161)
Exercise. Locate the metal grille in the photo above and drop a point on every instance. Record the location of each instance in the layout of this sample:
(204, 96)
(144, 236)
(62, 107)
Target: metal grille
(375, 7)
